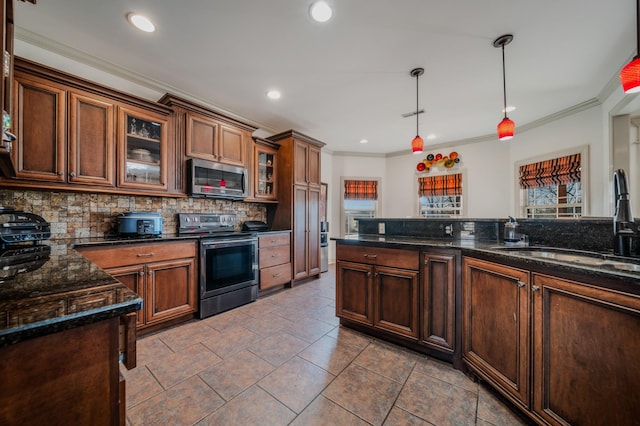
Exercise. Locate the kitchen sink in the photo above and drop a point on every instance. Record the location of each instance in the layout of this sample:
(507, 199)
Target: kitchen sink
(579, 257)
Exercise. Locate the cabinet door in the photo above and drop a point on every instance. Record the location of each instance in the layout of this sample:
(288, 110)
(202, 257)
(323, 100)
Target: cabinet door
(395, 301)
(313, 226)
(496, 326)
(170, 289)
(142, 149)
(300, 157)
(439, 301)
(265, 173)
(354, 292)
(313, 166)
(202, 137)
(586, 369)
(91, 140)
(132, 277)
(39, 121)
(300, 232)
(232, 147)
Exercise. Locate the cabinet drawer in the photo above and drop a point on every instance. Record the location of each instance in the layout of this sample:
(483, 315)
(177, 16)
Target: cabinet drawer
(133, 254)
(274, 240)
(398, 258)
(85, 302)
(275, 275)
(271, 256)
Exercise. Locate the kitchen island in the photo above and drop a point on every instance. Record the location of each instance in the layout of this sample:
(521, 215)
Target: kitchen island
(64, 326)
(556, 334)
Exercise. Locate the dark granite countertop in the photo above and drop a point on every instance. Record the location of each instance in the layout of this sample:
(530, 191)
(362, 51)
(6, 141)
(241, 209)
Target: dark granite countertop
(605, 274)
(47, 294)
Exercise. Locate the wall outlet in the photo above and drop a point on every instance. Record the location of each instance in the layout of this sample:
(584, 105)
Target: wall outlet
(381, 228)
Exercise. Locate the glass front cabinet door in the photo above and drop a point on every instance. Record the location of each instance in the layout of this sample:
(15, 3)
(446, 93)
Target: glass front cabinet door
(143, 150)
(265, 173)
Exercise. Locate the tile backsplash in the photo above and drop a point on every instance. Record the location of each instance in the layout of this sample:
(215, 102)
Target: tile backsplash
(81, 215)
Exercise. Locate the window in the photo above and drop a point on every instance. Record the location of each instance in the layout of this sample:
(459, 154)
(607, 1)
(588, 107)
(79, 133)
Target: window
(552, 188)
(440, 196)
(360, 201)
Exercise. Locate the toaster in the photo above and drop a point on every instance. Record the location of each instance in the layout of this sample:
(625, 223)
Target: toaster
(139, 223)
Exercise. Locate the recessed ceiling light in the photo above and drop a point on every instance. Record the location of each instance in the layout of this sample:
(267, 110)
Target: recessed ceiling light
(141, 22)
(509, 108)
(321, 11)
(364, 141)
(431, 136)
(274, 94)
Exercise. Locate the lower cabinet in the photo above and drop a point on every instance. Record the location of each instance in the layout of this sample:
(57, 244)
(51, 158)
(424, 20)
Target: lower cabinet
(565, 352)
(164, 274)
(378, 287)
(274, 259)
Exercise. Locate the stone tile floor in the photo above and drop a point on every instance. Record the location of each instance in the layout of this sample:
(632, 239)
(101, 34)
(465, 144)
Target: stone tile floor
(284, 360)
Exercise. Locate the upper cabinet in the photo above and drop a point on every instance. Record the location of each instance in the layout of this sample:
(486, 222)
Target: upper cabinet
(7, 168)
(142, 149)
(265, 170)
(208, 135)
(74, 132)
(306, 163)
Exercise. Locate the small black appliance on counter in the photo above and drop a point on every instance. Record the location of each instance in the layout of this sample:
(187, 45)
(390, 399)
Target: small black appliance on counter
(18, 227)
(139, 224)
(255, 226)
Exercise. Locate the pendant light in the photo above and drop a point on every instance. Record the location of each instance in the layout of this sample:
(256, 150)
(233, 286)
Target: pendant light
(417, 143)
(506, 127)
(630, 74)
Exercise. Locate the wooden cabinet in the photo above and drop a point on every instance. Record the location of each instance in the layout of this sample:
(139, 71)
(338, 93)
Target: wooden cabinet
(274, 260)
(142, 149)
(7, 168)
(164, 274)
(440, 330)
(496, 340)
(585, 359)
(265, 170)
(298, 207)
(374, 289)
(73, 134)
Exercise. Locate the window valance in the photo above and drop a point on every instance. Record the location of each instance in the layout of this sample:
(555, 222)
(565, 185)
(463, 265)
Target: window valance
(360, 189)
(444, 185)
(559, 171)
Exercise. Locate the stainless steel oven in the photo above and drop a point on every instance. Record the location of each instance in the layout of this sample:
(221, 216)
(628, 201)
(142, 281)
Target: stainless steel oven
(228, 262)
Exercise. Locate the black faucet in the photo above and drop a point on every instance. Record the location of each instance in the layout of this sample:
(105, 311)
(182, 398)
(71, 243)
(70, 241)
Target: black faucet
(623, 232)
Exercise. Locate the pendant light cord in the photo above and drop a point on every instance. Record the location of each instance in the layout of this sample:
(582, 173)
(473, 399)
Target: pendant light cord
(417, 113)
(504, 82)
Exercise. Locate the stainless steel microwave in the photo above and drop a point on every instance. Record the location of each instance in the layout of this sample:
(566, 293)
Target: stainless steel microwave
(216, 180)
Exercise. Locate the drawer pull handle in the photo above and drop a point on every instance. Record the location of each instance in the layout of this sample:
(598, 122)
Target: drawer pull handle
(535, 288)
(521, 284)
(276, 275)
(141, 274)
(371, 256)
(274, 255)
(145, 254)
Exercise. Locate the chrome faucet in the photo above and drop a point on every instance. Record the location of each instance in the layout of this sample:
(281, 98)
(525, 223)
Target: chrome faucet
(623, 232)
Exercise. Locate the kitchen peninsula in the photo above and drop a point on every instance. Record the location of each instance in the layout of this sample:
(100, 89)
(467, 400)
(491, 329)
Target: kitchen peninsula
(556, 335)
(64, 325)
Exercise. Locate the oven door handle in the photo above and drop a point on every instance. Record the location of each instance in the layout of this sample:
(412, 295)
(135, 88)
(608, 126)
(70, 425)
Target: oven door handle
(227, 242)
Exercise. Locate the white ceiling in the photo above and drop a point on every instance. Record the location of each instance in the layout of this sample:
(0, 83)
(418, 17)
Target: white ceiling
(348, 79)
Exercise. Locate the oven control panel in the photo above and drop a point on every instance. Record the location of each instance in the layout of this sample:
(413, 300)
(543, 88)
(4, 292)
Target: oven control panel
(205, 222)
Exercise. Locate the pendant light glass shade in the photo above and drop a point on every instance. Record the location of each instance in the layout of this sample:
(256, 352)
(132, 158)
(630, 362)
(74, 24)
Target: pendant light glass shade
(417, 144)
(506, 128)
(630, 74)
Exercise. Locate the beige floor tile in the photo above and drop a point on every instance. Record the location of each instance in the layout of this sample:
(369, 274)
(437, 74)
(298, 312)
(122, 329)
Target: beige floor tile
(324, 412)
(149, 349)
(349, 337)
(388, 361)
(309, 329)
(296, 383)
(445, 372)
(328, 354)
(326, 314)
(253, 407)
(399, 417)
(267, 325)
(179, 338)
(183, 404)
(438, 402)
(278, 348)
(180, 365)
(233, 375)
(140, 385)
(231, 340)
(494, 411)
(367, 394)
(258, 308)
(226, 320)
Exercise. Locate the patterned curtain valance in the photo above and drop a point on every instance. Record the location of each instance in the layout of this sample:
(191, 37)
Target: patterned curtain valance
(559, 171)
(360, 190)
(445, 185)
